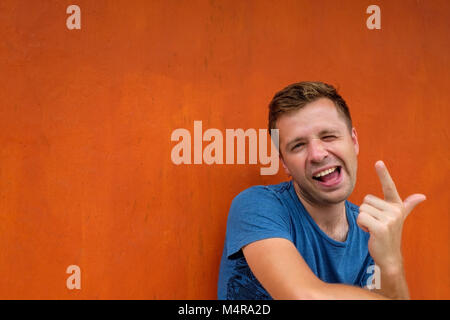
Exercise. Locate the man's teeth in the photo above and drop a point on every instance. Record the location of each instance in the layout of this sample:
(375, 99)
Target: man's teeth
(325, 172)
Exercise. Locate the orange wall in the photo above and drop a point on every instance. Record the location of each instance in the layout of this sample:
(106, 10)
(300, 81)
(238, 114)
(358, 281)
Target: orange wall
(86, 117)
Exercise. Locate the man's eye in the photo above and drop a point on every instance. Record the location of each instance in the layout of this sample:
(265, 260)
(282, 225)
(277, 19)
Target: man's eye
(298, 146)
(329, 138)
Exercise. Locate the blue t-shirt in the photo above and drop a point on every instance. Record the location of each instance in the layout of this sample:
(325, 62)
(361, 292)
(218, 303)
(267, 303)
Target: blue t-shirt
(275, 211)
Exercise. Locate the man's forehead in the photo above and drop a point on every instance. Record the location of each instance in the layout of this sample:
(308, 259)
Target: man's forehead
(313, 120)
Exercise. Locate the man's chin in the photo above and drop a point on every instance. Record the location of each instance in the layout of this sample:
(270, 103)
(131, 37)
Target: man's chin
(333, 197)
(333, 200)
(337, 196)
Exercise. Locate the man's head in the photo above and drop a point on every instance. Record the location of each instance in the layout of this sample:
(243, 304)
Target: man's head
(297, 95)
(318, 145)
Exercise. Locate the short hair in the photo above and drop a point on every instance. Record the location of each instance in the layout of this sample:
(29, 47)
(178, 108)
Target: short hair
(297, 95)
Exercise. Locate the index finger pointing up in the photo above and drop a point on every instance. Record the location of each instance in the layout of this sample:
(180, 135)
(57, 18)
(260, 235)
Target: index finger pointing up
(388, 185)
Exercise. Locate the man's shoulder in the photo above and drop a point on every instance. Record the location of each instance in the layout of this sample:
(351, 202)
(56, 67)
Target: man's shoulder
(262, 192)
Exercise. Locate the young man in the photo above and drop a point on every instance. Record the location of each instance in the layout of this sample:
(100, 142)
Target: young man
(302, 239)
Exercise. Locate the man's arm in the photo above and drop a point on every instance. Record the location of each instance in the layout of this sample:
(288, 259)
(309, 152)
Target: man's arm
(283, 272)
(393, 283)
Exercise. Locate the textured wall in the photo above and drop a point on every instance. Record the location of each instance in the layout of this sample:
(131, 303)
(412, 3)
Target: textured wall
(86, 117)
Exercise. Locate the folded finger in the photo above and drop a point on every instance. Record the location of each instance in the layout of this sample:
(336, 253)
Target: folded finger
(374, 212)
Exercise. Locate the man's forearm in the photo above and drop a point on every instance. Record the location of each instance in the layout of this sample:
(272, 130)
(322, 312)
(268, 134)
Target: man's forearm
(337, 291)
(393, 283)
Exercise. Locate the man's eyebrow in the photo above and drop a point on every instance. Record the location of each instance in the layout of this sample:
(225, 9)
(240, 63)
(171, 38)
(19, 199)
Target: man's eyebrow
(321, 133)
(328, 131)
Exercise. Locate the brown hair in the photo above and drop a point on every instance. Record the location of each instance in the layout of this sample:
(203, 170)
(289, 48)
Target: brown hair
(297, 95)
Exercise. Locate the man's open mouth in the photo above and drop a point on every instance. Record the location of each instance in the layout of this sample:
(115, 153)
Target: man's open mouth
(328, 176)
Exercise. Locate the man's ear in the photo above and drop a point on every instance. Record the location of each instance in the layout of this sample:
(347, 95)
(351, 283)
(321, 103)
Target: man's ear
(286, 169)
(355, 140)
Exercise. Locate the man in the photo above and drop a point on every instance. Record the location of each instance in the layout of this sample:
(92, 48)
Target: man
(302, 239)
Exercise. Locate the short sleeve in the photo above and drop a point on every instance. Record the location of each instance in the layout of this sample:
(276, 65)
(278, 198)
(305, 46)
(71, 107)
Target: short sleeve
(256, 214)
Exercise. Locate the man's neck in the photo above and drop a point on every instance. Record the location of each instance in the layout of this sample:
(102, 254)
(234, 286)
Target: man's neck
(331, 219)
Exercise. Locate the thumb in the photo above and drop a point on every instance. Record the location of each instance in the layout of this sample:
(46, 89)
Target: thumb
(412, 201)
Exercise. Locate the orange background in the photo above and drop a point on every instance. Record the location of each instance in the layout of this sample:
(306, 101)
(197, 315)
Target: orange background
(86, 117)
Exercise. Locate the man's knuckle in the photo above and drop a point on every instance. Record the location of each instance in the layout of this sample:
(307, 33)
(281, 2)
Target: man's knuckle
(383, 228)
(390, 223)
(397, 211)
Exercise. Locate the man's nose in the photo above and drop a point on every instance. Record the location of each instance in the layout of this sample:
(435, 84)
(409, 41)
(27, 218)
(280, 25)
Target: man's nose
(317, 151)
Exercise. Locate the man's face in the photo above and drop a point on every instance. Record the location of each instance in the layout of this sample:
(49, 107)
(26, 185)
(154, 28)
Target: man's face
(319, 152)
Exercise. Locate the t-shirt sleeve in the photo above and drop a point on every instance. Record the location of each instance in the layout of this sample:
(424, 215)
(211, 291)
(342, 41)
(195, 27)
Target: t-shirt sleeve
(256, 214)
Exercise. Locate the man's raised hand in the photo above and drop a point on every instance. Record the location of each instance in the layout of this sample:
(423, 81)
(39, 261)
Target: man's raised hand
(383, 219)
